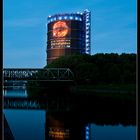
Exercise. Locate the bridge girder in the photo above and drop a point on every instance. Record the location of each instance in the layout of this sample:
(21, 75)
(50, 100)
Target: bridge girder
(38, 74)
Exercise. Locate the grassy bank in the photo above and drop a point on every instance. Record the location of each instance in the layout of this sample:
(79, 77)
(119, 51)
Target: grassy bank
(114, 91)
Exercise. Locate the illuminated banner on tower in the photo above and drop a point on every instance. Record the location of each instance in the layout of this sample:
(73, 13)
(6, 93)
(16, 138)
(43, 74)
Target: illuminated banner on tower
(60, 29)
(65, 34)
(59, 34)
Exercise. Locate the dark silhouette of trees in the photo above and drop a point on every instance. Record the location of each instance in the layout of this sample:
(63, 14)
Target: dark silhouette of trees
(86, 73)
(100, 68)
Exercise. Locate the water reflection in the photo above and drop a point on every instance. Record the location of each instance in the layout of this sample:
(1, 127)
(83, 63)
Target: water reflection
(81, 123)
(26, 124)
(17, 92)
(38, 125)
(113, 132)
(65, 126)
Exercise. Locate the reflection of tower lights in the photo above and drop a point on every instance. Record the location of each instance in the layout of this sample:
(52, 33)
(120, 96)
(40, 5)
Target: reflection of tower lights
(87, 133)
(59, 133)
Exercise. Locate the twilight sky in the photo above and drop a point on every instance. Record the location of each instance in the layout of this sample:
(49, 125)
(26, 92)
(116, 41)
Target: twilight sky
(113, 28)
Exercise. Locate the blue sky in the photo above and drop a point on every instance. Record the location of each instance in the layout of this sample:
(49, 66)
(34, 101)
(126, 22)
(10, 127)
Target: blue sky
(113, 28)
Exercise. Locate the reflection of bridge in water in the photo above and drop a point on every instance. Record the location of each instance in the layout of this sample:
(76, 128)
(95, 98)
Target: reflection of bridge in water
(56, 105)
(21, 103)
(59, 122)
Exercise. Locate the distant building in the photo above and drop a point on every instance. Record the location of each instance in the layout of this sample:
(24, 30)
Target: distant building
(68, 33)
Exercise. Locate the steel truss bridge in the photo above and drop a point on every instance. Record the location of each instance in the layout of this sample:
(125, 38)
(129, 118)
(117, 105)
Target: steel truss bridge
(48, 74)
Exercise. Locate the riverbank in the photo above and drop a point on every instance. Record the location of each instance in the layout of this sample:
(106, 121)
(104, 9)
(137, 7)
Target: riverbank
(124, 92)
(114, 91)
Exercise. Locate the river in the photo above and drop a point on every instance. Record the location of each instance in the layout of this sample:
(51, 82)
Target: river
(40, 124)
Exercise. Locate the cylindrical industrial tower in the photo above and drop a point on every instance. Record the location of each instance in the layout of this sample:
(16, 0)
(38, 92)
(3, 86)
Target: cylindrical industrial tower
(68, 34)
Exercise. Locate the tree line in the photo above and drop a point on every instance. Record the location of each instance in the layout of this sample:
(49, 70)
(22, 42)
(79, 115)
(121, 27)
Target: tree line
(99, 68)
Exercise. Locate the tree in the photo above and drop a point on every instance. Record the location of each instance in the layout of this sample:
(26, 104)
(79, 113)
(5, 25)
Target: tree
(87, 72)
(100, 68)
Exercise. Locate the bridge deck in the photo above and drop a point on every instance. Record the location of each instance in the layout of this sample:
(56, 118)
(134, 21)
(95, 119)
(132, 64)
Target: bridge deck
(49, 74)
